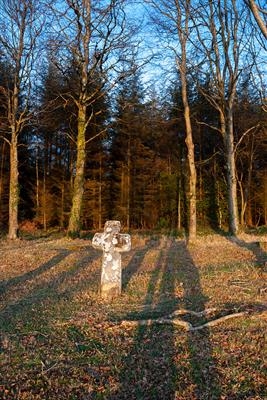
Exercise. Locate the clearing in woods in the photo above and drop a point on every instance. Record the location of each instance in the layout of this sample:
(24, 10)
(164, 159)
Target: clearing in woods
(190, 323)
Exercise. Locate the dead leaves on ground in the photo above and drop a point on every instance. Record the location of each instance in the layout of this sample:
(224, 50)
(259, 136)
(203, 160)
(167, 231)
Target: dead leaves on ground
(190, 323)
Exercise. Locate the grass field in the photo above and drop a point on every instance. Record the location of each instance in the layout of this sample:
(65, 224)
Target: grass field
(158, 340)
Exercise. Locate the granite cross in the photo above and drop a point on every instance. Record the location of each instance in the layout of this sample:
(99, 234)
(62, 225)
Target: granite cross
(112, 243)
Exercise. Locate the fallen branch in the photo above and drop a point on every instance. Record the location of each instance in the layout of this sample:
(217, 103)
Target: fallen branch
(194, 313)
(178, 322)
(158, 321)
(219, 320)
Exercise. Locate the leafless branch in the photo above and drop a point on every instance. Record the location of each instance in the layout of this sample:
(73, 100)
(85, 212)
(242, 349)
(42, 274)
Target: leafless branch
(256, 11)
(244, 134)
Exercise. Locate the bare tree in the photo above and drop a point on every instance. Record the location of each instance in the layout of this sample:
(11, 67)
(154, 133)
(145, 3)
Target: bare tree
(173, 18)
(221, 36)
(93, 36)
(21, 27)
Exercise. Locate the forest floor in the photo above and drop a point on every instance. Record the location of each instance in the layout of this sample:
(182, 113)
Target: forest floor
(190, 323)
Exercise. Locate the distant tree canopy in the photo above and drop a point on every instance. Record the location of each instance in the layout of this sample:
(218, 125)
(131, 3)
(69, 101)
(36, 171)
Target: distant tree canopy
(85, 137)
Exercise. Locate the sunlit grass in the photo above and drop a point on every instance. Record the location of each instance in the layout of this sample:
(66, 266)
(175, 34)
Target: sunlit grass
(60, 340)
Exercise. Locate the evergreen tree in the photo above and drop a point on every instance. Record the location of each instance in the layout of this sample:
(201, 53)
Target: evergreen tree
(132, 156)
(54, 151)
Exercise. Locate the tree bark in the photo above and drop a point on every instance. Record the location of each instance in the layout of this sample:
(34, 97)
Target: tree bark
(82, 20)
(78, 187)
(2, 177)
(192, 227)
(192, 175)
(13, 190)
(231, 176)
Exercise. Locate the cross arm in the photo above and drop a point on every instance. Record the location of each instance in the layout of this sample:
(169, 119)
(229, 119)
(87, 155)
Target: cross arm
(122, 242)
(97, 241)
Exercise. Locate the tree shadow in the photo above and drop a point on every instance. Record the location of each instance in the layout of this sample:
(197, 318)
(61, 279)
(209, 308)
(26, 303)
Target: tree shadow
(204, 374)
(45, 294)
(135, 263)
(7, 284)
(148, 370)
(254, 247)
(152, 369)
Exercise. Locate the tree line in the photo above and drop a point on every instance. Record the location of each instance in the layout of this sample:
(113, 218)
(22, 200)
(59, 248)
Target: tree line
(86, 136)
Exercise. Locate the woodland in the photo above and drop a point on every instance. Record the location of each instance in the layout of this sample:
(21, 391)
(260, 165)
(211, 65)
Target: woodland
(151, 112)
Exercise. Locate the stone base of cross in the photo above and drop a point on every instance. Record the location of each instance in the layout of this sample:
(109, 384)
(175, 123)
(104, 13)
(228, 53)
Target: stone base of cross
(112, 243)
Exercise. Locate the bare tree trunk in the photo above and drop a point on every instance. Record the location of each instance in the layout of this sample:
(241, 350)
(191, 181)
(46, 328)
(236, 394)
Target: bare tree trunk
(78, 187)
(13, 110)
(242, 202)
(2, 175)
(228, 137)
(182, 65)
(226, 26)
(245, 213)
(231, 176)
(192, 175)
(13, 190)
(217, 195)
(173, 17)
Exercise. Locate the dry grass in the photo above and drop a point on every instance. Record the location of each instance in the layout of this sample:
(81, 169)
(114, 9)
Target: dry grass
(59, 340)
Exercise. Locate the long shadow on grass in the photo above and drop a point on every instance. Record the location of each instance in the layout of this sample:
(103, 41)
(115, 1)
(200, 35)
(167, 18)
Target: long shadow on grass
(254, 247)
(7, 284)
(148, 371)
(165, 363)
(204, 374)
(136, 262)
(46, 295)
